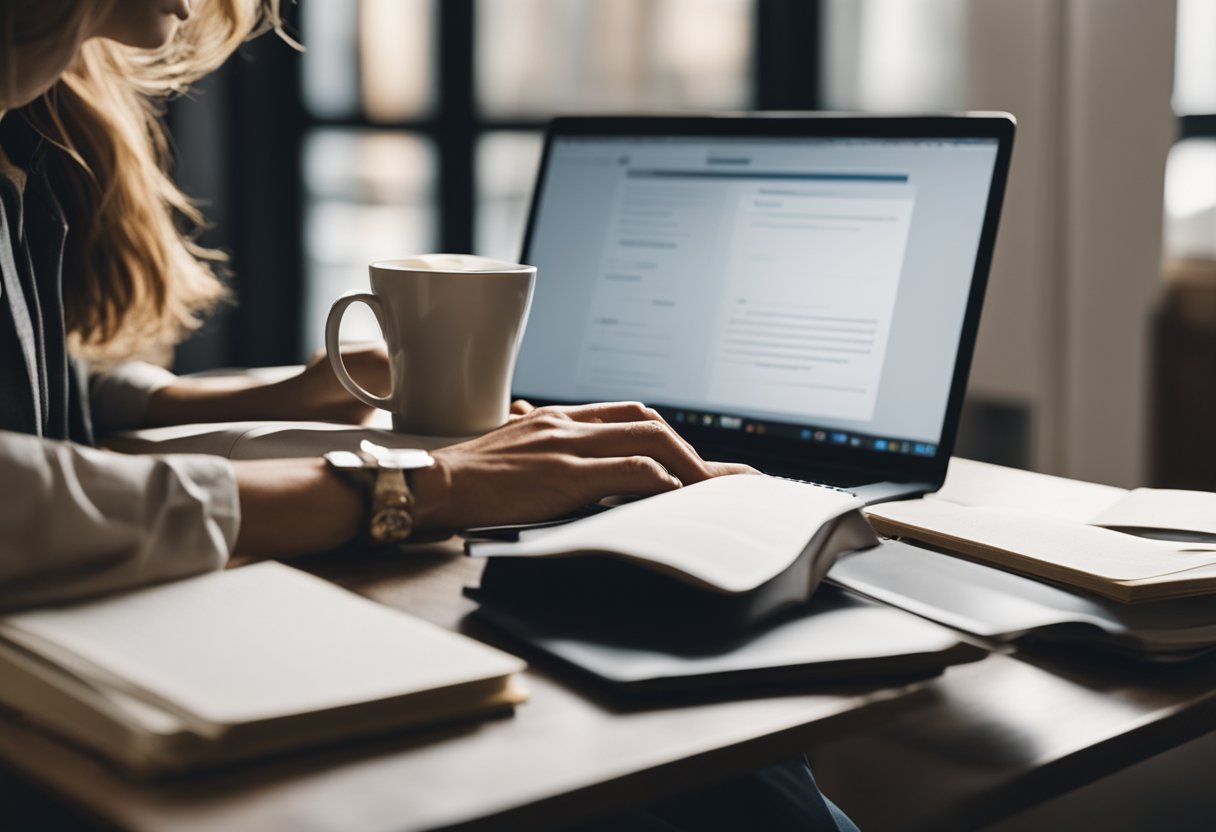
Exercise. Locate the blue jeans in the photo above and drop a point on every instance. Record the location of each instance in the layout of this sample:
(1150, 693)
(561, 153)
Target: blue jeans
(776, 798)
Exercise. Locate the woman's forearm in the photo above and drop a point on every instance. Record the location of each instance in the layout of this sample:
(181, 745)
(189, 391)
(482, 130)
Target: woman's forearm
(294, 507)
(190, 401)
(313, 394)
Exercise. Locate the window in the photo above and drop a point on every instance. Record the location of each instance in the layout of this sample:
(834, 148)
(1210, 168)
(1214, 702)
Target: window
(391, 161)
(894, 55)
(415, 125)
(1190, 181)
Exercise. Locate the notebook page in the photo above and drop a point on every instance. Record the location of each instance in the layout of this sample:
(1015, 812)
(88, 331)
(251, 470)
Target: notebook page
(1029, 534)
(1162, 508)
(729, 533)
(972, 483)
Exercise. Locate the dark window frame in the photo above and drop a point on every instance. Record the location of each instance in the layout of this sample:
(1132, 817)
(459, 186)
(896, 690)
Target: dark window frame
(263, 122)
(1197, 126)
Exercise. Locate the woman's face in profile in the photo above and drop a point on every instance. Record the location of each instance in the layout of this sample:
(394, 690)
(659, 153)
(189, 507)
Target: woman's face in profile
(145, 24)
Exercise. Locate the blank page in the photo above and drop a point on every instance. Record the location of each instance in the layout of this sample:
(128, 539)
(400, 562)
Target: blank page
(972, 483)
(729, 533)
(1032, 536)
(1164, 509)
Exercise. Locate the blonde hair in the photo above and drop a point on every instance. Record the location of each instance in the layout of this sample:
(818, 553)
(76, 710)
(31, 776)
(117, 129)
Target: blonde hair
(135, 279)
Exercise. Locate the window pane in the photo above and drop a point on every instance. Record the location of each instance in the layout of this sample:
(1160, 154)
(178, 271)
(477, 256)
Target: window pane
(894, 54)
(369, 196)
(1190, 200)
(330, 70)
(395, 61)
(374, 55)
(536, 57)
(1195, 58)
(506, 171)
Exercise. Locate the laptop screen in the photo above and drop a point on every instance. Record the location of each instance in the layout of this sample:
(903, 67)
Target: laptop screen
(803, 288)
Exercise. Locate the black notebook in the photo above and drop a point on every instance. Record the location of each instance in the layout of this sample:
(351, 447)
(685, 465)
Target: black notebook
(837, 638)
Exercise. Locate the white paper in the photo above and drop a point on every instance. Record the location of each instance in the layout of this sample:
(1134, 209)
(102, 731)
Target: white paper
(1164, 509)
(1050, 540)
(728, 533)
(972, 483)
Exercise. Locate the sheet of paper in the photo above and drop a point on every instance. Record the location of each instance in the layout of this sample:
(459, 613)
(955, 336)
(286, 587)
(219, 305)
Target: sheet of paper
(1031, 534)
(972, 483)
(1162, 508)
(729, 533)
(250, 644)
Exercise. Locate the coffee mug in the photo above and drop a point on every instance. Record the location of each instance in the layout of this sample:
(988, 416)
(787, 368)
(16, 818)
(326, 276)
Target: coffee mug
(452, 324)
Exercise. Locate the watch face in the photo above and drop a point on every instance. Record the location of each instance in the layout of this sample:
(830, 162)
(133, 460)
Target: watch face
(406, 459)
(344, 459)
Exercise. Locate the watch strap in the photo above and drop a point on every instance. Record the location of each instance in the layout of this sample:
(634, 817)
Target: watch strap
(388, 501)
(392, 507)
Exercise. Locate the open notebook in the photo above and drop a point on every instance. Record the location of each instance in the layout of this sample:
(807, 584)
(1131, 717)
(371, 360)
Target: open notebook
(237, 664)
(1129, 546)
(713, 587)
(720, 555)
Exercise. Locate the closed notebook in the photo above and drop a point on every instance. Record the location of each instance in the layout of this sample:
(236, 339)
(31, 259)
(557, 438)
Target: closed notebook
(1005, 607)
(237, 664)
(1132, 546)
(718, 556)
(838, 638)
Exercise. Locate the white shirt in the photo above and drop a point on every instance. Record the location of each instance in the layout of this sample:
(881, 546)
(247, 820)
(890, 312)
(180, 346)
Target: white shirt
(78, 521)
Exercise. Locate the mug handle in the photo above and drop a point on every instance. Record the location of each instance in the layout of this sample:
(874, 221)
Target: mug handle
(332, 324)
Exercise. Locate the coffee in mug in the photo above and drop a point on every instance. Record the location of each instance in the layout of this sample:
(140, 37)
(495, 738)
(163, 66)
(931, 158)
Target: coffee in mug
(452, 324)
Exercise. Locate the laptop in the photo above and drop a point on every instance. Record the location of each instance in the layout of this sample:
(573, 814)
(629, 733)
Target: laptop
(798, 292)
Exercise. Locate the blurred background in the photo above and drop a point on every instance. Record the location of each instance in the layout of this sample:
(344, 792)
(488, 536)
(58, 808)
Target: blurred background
(415, 125)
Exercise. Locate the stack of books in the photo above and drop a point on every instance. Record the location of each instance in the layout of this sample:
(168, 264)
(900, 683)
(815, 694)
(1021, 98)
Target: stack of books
(1011, 555)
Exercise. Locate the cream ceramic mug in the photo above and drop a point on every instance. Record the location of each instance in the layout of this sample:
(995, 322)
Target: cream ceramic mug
(452, 324)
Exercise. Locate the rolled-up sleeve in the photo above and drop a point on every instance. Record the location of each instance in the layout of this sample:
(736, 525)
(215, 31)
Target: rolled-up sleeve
(119, 396)
(77, 521)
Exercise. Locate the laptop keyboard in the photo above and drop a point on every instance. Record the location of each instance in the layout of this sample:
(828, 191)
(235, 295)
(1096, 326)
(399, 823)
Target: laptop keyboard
(842, 485)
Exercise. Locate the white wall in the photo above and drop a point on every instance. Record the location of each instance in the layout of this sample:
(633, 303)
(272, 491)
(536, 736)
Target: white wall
(1077, 268)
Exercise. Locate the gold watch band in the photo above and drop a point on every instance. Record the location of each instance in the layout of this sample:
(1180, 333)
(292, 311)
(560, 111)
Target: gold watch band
(383, 477)
(392, 509)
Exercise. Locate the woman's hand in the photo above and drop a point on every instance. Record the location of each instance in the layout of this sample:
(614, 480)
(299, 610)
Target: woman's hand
(520, 407)
(548, 461)
(542, 464)
(317, 395)
(313, 394)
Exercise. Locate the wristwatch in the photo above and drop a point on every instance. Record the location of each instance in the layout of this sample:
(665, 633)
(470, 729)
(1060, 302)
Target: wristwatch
(383, 476)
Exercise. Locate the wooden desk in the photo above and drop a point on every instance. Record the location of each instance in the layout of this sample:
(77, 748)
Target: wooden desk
(1011, 732)
(564, 756)
(977, 744)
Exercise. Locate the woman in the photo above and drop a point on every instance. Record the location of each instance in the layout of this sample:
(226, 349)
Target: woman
(94, 266)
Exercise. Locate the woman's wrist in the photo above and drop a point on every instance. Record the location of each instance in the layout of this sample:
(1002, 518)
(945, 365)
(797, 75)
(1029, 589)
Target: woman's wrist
(295, 507)
(429, 489)
(432, 489)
